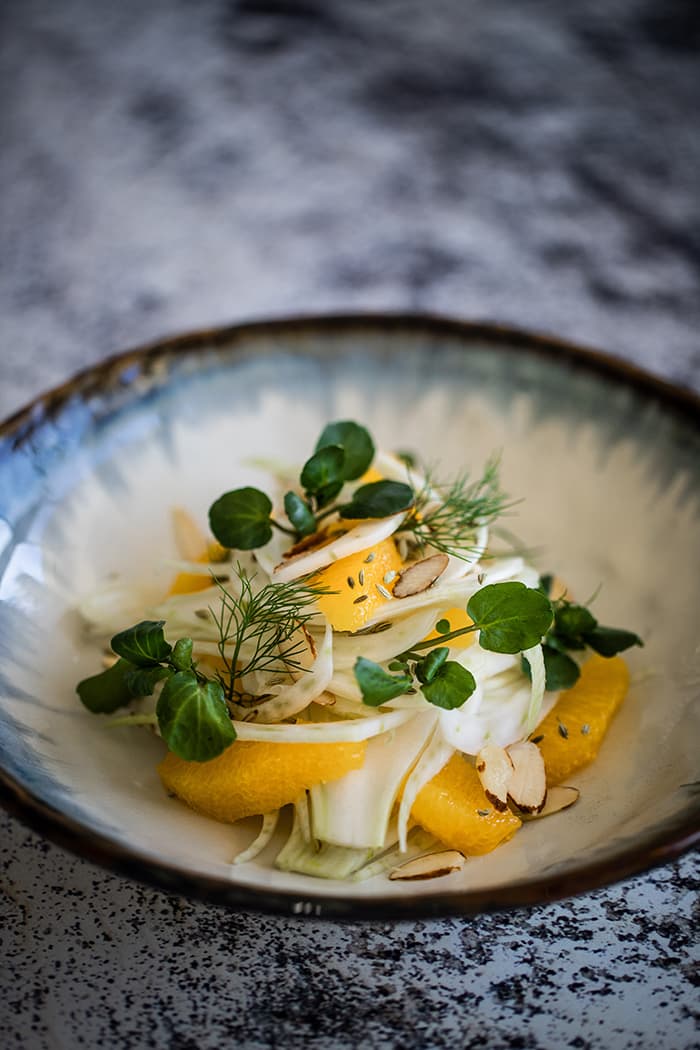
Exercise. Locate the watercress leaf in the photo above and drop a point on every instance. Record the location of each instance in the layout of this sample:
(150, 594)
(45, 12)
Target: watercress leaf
(378, 499)
(324, 469)
(327, 493)
(376, 685)
(299, 513)
(181, 656)
(510, 616)
(572, 621)
(429, 666)
(356, 442)
(105, 692)
(241, 519)
(143, 680)
(608, 641)
(143, 644)
(561, 672)
(546, 583)
(443, 627)
(451, 687)
(193, 717)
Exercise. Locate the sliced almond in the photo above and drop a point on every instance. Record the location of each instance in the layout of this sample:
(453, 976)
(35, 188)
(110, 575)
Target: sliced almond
(528, 784)
(495, 769)
(190, 541)
(558, 798)
(421, 575)
(431, 866)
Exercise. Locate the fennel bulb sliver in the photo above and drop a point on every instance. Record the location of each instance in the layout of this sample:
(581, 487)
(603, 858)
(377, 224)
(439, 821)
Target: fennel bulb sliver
(354, 811)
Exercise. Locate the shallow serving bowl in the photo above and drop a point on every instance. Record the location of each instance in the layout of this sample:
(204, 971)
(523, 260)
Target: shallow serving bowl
(607, 461)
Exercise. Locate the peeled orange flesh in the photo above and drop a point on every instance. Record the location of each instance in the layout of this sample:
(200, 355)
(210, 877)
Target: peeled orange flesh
(574, 729)
(252, 777)
(454, 808)
(357, 580)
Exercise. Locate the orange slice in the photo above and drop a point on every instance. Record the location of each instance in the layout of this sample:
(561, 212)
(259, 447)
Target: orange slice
(358, 579)
(252, 777)
(574, 729)
(454, 808)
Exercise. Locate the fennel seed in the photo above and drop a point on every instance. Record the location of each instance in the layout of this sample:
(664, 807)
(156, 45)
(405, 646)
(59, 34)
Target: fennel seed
(383, 591)
(361, 577)
(370, 557)
(351, 582)
(362, 598)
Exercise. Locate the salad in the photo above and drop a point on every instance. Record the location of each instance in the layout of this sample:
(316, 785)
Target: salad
(358, 646)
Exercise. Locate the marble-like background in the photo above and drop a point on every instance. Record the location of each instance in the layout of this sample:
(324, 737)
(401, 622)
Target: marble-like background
(172, 164)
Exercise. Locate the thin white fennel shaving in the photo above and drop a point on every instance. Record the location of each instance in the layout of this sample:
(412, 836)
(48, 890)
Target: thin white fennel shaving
(359, 538)
(436, 755)
(269, 823)
(351, 731)
(355, 810)
(291, 699)
(535, 658)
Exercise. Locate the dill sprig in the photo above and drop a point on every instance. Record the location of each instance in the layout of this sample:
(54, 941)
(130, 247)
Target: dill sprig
(265, 627)
(449, 523)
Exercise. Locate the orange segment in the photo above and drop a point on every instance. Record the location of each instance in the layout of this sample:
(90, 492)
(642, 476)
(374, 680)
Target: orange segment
(189, 582)
(458, 618)
(356, 576)
(454, 808)
(574, 729)
(252, 777)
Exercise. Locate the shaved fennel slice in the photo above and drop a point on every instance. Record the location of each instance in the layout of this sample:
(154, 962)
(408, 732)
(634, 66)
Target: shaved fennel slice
(418, 841)
(322, 860)
(302, 816)
(295, 697)
(355, 810)
(535, 658)
(356, 539)
(457, 567)
(392, 468)
(436, 755)
(350, 731)
(386, 644)
(106, 609)
(269, 823)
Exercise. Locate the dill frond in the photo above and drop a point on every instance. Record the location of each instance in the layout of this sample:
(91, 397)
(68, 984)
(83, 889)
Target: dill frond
(264, 627)
(449, 523)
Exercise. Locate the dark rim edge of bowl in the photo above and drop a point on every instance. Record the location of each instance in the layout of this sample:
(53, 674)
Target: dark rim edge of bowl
(659, 848)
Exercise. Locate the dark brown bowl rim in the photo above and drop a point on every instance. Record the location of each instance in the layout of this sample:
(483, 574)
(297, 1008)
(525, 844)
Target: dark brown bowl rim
(658, 848)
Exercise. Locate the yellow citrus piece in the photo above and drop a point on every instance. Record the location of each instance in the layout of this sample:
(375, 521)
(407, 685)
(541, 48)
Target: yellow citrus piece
(357, 575)
(370, 475)
(458, 618)
(190, 582)
(574, 729)
(453, 807)
(252, 777)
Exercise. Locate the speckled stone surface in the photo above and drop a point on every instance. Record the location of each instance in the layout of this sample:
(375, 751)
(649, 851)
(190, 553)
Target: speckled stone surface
(175, 164)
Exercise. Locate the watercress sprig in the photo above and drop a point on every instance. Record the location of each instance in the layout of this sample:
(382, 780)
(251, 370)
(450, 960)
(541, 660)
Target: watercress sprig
(242, 519)
(575, 628)
(192, 714)
(509, 617)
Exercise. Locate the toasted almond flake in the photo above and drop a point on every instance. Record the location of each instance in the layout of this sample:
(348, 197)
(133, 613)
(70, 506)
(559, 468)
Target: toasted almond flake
(528, 784)
(190, 541)
(495, 769)
(421, 575)
(430, 866)
(558, 798)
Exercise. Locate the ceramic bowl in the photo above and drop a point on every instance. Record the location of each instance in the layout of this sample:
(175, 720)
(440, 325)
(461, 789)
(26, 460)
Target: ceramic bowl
(607, 461)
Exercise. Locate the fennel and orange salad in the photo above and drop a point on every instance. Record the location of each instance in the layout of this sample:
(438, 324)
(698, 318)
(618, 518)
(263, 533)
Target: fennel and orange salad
(351, 644)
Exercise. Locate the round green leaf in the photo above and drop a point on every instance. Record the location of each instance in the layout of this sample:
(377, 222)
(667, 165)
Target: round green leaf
(451, 687)
(572, 621)
(240, 519)
(105, 692)
(322, 475)
(193, 718)
(429, 667)
(376, 685)
(143, 644)
(356, 442)
(182, 654)
(608, 641)
(299, 514)
(378, 499)
(510, 616)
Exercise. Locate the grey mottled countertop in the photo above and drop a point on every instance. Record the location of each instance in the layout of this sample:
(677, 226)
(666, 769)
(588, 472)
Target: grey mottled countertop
(174, 164)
